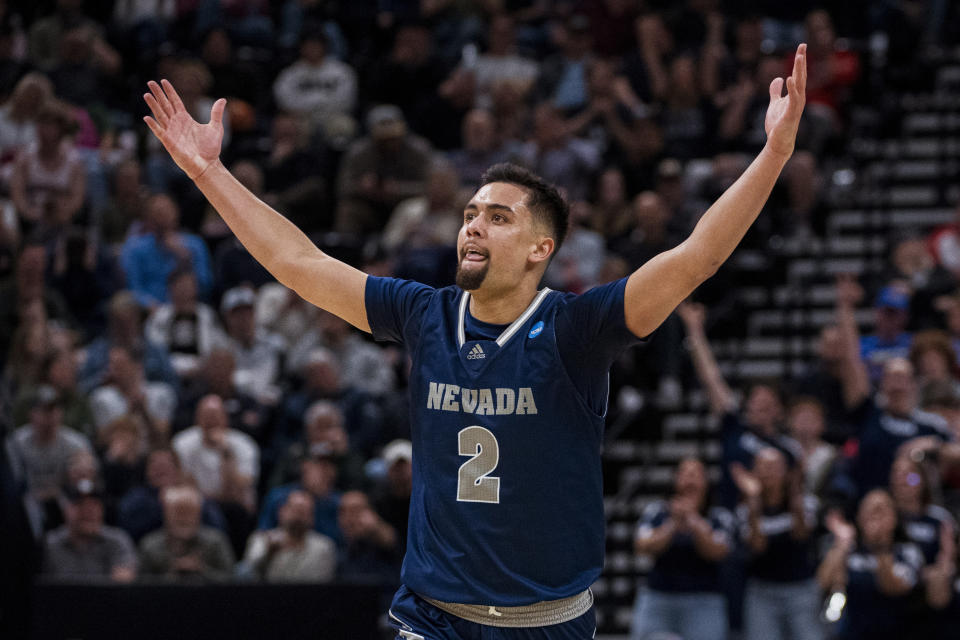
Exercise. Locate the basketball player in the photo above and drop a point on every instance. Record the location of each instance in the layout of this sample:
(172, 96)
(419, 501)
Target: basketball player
(509, 383)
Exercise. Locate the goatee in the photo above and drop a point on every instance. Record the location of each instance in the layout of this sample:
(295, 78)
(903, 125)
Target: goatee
(472, 279)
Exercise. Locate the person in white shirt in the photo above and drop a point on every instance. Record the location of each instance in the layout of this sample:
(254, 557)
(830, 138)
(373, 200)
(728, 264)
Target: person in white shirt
(316, 85)
(224, 462)
(292, 552)
(188, 328)
(257, 351)
(127, 391)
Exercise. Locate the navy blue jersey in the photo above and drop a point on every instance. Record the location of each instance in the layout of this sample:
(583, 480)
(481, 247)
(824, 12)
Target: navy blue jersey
(785, 558)
(923, 529)
(869, 613)
(680, 568)
(881, 434)
(741, 444)
(507, 502)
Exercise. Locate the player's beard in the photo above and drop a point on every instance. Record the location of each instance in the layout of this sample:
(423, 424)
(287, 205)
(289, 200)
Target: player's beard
(472, 279)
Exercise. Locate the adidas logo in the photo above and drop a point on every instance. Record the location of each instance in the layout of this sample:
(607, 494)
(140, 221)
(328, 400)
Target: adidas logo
(476, 353)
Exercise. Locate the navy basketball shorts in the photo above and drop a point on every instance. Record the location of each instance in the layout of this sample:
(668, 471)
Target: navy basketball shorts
(414, 618)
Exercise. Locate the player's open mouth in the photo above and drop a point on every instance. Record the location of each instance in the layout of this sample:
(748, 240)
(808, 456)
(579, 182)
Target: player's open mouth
(474, 255)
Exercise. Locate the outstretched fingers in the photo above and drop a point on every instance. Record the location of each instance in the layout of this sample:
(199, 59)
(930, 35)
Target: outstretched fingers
(161, 99)
(156, 109)
(172, 95)
(154, 126)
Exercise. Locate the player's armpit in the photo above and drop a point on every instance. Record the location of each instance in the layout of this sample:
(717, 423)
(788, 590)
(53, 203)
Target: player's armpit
(655, 289)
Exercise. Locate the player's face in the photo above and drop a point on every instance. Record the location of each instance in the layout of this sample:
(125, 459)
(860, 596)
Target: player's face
(499, 240)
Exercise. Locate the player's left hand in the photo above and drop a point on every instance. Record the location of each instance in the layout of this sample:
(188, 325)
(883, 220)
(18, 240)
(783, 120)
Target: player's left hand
(783, 114)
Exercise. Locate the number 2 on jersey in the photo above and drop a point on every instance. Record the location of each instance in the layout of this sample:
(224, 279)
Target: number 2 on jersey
(474, 484)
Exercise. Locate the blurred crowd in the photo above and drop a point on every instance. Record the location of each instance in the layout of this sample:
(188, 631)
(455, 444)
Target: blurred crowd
(169, 411)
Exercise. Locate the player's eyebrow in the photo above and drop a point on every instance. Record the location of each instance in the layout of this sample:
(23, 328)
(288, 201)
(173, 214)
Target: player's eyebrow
(493, 205)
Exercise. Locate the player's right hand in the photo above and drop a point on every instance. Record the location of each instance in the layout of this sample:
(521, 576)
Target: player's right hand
(193, 146)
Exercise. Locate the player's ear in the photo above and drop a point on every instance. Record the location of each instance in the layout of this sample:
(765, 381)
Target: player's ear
(543, 249)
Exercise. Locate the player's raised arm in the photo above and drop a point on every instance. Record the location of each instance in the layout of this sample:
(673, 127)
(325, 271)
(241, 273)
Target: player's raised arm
(272, 239)
(656, 288)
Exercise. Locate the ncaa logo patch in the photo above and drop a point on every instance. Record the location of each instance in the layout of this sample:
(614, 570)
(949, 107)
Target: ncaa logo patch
(536, 330)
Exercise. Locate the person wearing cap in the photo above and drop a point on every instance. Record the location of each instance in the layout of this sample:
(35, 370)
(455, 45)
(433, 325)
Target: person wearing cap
(379, 171)
(44, 446)
(258, 352)
(318, 478)
(85, 547)
(316, 85)
(391, 496)
(887, 419)
(149, 259)
(293, 551)
(889, 339)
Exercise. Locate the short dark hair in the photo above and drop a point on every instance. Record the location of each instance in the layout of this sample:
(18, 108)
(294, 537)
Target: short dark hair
(544, 199)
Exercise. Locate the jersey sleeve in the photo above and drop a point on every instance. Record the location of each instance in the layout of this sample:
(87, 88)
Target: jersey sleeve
(591, 332)
(395, 308)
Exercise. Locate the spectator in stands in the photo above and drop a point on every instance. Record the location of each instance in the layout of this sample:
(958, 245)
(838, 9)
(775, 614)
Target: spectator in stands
(613, 215)
(650, 232)
(744, 434)
(47, 32)
(224, 463)
(833, 70)
(292, 552)
(777, 520)
(123, 450)
(298, 174)
(369, 548)
(124, 328)
(59, 371)
(184, 549)
(258, 353)
(822, 381)
(430, 221)
(84, 548)
(482, 147)
(744, 104)
(920, 518)
(883, 425)
(217, 377)
(126, 391)
(122, 213)
(322, 380)
(579, 262)
(563, 76)
(26, 296)
(944, 244)
(558, 157)
(323, 427)
(140, 511)
(688, 538)
(391, 495)
(318, 477)
(890, 338)
(150, 259)
(501, 61)
(688, 118)
(933, 358)
(805, 424)
(18, 119)
(187, 328)
(48, 182)
(316, 86)
(364, 366)
(877, 571)
(380, 171)
(44, 446)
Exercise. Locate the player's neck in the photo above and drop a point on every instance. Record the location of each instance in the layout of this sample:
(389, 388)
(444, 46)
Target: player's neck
(500, 307)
